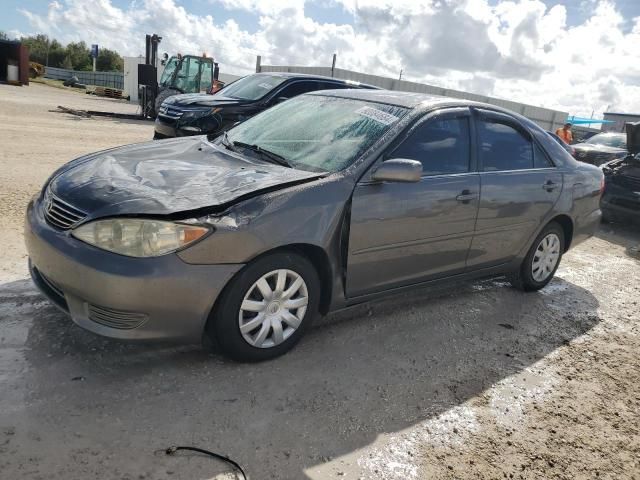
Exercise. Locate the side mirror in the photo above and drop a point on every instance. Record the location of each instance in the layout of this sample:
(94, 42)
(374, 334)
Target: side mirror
(398, 170)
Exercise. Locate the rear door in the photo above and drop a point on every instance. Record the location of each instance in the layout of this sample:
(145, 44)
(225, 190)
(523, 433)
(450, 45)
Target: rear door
(519, 186)
(403, 233)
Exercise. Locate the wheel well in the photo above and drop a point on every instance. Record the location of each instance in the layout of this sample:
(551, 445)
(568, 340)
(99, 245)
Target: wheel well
(320, 260)
(567, 226)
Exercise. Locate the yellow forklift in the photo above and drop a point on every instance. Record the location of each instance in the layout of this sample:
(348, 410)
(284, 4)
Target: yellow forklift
(182, 74)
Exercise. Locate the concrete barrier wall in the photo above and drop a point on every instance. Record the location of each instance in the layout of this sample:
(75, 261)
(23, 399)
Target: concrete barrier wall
(102, 79)
(546, 118)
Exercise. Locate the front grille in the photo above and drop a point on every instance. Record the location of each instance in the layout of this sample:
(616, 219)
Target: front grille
(60, 214)
(120, 319)
(167, 111)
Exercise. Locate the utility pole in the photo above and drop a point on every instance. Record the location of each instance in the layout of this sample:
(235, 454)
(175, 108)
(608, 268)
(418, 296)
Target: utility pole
(333, 64)
(400, 77)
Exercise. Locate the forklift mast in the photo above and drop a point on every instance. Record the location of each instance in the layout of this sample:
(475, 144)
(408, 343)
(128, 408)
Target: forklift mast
(179, 76)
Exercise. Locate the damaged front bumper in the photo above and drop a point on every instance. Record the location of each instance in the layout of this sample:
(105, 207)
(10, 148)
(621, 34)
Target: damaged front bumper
(160, 298)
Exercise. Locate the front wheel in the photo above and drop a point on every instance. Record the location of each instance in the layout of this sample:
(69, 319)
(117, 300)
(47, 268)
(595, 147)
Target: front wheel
(266, 308)
(542, 260)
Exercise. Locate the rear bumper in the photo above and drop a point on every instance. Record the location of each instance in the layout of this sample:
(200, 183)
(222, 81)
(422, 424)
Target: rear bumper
(161, 298)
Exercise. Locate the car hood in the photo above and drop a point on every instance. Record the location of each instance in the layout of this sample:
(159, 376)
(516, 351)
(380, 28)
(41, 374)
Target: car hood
(166, 177)
(597, 148)
(199, 99)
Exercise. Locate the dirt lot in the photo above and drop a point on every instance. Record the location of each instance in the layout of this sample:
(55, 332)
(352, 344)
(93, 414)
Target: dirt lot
(481, 381)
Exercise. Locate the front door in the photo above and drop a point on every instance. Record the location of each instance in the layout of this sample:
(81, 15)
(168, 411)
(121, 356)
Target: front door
(404, 233)
(518, 188)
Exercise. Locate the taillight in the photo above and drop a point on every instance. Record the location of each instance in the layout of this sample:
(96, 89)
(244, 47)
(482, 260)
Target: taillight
(602, 185)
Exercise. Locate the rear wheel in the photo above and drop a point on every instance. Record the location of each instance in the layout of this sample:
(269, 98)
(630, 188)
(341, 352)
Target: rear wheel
(266, 308)
(541, 262)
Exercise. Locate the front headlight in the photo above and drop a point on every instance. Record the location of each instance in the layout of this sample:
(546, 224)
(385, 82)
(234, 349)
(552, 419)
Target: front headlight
(193, 114)
(138, 237)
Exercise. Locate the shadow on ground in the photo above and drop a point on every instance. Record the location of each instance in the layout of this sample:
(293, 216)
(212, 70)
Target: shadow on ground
(625, 234)
(84, 407)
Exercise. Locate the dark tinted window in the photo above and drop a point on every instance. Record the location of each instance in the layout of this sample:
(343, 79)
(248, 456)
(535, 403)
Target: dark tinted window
(540, 159)
(332, 86)
(502, 147)
(253, 87)
(441, 145)
(616, 140)
(298, 88)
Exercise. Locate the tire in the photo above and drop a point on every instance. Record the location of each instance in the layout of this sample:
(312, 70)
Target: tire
(244, 303)
(162, 96)
(528, 278)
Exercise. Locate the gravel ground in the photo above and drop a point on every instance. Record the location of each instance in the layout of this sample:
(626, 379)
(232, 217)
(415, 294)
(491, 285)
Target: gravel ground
(475, 381)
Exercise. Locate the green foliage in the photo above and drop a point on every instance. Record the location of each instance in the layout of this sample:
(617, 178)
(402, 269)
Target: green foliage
(75, 55)
(4, 36)
(66, 63)
(109, 61)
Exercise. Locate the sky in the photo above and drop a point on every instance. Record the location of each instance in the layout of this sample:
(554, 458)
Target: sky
(579, 56)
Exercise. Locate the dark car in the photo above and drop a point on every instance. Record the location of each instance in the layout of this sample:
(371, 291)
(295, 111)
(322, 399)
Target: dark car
(601, 148)
(621, 199)
(198, 114)
(324, 201)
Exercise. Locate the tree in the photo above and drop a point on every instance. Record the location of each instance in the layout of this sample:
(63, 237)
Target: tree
(74, 56)
(67, 63)
(4, 36)
(79, 55)
(39, 47)
(109, 61)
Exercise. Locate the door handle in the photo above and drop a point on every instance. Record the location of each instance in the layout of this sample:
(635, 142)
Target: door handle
(550, 186)
(466, 196)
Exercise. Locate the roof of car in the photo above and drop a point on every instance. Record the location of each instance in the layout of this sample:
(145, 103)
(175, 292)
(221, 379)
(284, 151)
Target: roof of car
(392, 97)
(308, 76)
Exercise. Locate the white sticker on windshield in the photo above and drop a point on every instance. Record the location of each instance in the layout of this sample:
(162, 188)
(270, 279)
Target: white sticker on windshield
(264, 85)
(377, 115)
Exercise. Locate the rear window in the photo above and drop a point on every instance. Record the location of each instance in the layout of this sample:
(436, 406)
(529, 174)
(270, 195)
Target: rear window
(609, 140)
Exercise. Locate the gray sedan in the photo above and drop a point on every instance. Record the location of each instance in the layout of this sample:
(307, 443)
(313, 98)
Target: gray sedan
(324, 201)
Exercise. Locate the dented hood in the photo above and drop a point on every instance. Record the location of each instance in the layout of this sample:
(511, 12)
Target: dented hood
(166, 177)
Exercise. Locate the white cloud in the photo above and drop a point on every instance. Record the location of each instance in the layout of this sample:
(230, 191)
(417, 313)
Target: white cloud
(520, 49)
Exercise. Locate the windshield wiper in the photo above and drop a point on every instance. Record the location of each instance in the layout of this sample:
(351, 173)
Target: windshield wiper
(225, 141)
(274, 157)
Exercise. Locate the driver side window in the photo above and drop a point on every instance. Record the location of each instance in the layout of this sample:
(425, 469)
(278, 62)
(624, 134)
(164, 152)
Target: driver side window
(440, 144)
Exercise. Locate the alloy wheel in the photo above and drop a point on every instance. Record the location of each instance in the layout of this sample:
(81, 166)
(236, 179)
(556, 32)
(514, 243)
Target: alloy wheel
(273, 308)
